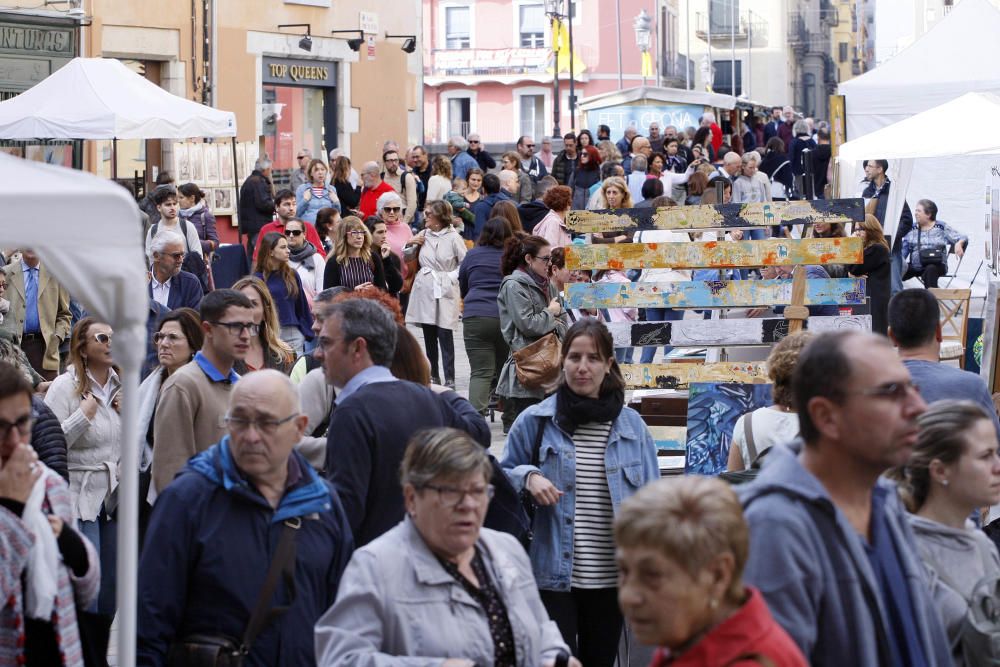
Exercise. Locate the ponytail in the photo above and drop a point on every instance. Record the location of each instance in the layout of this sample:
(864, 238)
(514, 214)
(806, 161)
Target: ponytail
(516, 248)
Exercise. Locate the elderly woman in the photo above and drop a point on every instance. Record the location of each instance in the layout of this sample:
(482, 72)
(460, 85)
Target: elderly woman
(580, 453)
(87, 401)
(756, 432)
(925, 248)
(954, 470)
(397, 232)
(682, 544)
(315, 195)
(751, 185)
(439, 251)
(439, 588)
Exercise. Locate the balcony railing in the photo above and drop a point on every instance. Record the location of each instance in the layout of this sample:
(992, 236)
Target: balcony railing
(479, 62)
(722, 29)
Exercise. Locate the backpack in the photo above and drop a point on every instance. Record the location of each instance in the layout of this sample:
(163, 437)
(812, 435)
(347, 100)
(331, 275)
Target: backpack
(193, 262)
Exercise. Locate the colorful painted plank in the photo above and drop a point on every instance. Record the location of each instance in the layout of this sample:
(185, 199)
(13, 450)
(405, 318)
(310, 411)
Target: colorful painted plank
(679, 375)
(715, 254)
(668, 438)
(718, 216)
(713, 294)
(724, 333)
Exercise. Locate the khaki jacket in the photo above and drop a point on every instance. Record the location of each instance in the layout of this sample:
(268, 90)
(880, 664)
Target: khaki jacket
(54, 316)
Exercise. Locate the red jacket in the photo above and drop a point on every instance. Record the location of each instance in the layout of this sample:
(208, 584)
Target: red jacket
(369, 198)
(750, 632)
(277, 226)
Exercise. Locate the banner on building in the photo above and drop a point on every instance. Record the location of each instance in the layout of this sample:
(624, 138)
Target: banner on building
(618, 118)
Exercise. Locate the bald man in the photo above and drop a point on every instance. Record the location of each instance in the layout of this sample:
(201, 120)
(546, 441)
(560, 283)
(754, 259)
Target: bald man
(230, 514)
(374, 187)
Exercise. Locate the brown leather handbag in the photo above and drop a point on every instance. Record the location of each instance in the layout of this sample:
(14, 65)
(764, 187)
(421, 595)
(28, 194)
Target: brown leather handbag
(537, 365)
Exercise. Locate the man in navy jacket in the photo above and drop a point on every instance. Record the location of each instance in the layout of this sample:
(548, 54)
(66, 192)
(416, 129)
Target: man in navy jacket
(215, 529)
(375, 414)
(168, 284)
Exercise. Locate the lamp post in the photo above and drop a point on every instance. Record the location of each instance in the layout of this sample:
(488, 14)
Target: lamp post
(554, 10)
(643, 28)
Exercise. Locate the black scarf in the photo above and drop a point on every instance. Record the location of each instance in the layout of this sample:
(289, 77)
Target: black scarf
(302, 254)
(573, 409)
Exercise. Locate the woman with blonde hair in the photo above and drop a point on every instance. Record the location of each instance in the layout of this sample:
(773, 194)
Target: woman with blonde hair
(876, 268)
(353, 264)
(440, 181)
(267, 350)
(613, 193)
(434, 297)
(285, 286)
(682, 546)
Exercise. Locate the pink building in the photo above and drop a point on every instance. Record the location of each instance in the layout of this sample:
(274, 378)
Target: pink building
(487, 63)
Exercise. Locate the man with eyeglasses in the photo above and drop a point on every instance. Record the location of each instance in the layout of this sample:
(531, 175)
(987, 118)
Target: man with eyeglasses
(478, 151)
(830, 546)
(48, 568)
(375, 414)
(299, 176)
(189, 412)
(168, 284)
(530, 164)
(284, 212)
(223, 521)
(403, 182)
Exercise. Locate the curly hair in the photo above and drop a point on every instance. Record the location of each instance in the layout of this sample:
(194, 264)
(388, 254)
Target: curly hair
(558, 198)
(374, 294)
(615, 182)
(781, 364)
(441, 167)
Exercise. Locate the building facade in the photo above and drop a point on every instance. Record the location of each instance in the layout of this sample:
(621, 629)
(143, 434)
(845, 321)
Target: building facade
(488, 64)
(852, 38)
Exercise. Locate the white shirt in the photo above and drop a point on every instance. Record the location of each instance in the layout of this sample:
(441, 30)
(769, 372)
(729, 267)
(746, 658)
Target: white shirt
(161, 291)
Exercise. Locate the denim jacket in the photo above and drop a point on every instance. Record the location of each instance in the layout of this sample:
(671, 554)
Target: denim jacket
(307, 209)
(630, 462)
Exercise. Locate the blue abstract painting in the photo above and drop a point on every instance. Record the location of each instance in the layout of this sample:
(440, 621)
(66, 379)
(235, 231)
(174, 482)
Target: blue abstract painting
(713, 408)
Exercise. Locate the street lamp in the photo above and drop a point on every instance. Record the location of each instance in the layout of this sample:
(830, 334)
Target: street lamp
(554, 10)
(643, 28)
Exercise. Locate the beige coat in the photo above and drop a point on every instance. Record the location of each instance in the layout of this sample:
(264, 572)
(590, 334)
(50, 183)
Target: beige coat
(435, 296)
(54, 316)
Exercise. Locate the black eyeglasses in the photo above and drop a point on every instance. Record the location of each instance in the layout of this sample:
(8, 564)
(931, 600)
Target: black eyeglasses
(22, 424)
(294, 232)
(239, 424)
(547, 259)
(236, 328)
(103, 338)
(473, 141)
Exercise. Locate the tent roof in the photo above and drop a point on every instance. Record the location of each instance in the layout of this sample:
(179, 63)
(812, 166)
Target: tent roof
(101, 98)
(959, 54)
(655, 94)
(920, 136)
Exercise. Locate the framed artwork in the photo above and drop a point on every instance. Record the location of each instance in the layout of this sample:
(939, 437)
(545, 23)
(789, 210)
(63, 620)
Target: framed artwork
(223, 201)
(253, 152)
(182, 163)
(241, 162)
(197, 162)
(713, 408)
(211, 153)
(225, 164)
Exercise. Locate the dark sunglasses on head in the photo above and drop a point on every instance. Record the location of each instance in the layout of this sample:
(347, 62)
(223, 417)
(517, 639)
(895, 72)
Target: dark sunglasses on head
(103, 338)
(293, 232)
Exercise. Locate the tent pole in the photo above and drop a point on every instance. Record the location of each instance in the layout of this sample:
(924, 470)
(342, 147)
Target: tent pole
(236, 187)
(114, 158)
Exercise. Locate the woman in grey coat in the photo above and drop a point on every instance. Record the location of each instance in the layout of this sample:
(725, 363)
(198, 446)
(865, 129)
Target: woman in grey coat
(439, 589)
(954, 470)
(529, 309)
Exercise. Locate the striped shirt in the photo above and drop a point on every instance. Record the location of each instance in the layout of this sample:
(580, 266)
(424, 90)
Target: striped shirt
(593, 541)
(355, 272)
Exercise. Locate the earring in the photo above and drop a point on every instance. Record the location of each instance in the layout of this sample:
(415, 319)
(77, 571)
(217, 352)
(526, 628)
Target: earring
(944, 482)
(713, 604)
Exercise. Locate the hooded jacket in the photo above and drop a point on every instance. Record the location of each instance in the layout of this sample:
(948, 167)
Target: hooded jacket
(208, 549)
(482, 210)
(811, 566)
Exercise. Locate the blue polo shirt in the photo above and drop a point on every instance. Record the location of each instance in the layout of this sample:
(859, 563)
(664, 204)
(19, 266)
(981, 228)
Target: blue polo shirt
(213, 373)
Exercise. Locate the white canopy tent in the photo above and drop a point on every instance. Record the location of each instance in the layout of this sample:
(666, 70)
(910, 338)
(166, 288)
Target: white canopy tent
(932, 159)
(100, 98)
(86, 231)
(91, 240)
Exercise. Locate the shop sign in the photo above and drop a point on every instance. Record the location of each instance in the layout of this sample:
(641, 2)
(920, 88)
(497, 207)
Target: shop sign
(37, 40)
(368, 21)
(298, 72)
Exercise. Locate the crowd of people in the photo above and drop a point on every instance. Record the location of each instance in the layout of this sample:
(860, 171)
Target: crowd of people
(314, 490)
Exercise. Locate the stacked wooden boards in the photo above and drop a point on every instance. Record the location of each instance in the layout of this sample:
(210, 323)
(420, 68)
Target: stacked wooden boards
(718, 293)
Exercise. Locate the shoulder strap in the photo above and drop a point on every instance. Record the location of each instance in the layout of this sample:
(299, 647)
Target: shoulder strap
(537, 448)
(152, 230)
(748, 436)
(282, 565)
(779, 168)
(184, 233)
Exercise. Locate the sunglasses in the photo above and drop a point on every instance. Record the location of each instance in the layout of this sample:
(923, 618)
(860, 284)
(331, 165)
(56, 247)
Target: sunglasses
(103, 338)
(293, 232)
(473, 141)
(392, 209)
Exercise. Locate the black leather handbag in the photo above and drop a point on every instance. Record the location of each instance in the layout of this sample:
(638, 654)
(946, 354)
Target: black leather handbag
(932, 255)
(217, 650)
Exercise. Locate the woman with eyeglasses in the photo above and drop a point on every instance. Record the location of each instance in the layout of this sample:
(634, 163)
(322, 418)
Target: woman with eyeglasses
(87, 401)
(315, 195)
(285, 286)
(305, 259)
(434, 298)
(267, 349)
(439, 588)
(353, 263)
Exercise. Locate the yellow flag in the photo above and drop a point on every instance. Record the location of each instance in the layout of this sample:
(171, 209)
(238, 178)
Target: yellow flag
(560, 49)
(647, 63)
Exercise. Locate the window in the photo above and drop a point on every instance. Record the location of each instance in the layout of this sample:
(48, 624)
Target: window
(531, 26)
(724, 77)
(459, 116)
(843, 51)
(533, 116)
(458, 27)
(724, 15)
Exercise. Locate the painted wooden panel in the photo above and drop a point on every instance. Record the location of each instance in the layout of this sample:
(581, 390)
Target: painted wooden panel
(721, 333)
(715, 254)
(713, 293)
(713, 410)
(718, 216)
(669, 438)
(679, 375)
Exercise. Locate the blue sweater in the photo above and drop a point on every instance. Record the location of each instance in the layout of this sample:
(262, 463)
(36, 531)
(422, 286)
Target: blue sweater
(479, 278)
(291, 312)
(939, 382)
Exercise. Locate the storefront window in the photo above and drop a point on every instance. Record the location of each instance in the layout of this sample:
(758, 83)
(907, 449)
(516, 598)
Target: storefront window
(293, 120)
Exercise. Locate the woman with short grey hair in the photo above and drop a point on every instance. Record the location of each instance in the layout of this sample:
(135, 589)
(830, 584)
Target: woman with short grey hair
(802, 140)
(751, 185)
(439, 586)
(397, 232)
